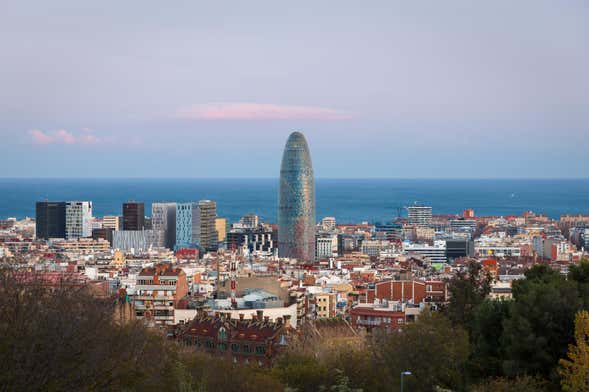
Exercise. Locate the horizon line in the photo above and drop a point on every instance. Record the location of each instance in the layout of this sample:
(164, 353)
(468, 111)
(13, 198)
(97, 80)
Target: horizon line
(278, 177)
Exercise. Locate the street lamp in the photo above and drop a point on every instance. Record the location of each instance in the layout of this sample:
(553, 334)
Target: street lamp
(403, 374)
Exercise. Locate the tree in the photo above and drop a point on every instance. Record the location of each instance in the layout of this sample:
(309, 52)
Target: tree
(519, 384)
(432, 348)
(487, 328)
(540, 324)
(467, 290)
(575, 370)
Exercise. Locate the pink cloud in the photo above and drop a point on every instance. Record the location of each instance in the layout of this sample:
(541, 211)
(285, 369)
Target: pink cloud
(63, 136)
(40, 137)
(259, 111)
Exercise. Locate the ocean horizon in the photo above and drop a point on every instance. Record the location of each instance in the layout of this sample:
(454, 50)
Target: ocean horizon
(347, 199)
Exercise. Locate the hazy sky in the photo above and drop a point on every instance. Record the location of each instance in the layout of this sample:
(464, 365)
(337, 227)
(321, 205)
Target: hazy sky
(213, 88)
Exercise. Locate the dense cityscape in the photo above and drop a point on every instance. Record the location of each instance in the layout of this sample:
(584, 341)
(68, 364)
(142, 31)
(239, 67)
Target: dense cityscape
(250, 291)
(309, 196)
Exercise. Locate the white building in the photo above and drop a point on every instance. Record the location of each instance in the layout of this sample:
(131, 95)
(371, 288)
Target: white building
(78, 219)
(328, 223)
(436, 252)
(326, 246)
(420, 215)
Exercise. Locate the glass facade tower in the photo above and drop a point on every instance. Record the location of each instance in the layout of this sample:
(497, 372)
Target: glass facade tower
(296, 201)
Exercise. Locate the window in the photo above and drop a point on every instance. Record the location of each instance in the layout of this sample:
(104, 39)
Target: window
(235, 347)
(260, 350)
(210, 345)
(222, 346)
(247, 348)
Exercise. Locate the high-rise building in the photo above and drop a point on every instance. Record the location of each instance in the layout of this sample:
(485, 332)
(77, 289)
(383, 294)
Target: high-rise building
(187, 225)
(163, 223)
(195, 225)
(78, 219)
(209, 238)
(133, 215)
(420, 215)
(221, 227)
(296, 202)
(50, 219)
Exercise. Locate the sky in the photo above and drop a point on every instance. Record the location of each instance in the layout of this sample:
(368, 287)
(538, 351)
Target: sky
(403, 89)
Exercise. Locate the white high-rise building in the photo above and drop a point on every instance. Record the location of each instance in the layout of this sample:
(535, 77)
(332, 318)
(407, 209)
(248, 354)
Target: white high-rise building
(78, 219)
(420, 215)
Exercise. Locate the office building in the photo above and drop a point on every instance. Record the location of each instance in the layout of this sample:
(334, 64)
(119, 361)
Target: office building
(419, 215)
(187, 225)
(78, 219)
(221, 227)
(250, 221)
(195, 225)
(50, 219)
(133, 215)
(456, 248)
(163, 223)
(209, 239)
(111, 222)
(136, 240)
(296, 202)
(326, 246)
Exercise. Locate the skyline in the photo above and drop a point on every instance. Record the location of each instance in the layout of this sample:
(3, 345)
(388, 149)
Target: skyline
(389, 91)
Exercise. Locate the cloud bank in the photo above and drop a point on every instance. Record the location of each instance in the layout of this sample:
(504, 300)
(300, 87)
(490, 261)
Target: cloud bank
(259, 111)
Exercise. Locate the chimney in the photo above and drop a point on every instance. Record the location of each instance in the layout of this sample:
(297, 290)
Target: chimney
(260, 314)
(287, 320)
(279, 320)
(266, 319)
(241, 316)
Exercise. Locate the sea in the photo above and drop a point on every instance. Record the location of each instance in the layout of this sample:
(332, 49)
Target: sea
(348, 200)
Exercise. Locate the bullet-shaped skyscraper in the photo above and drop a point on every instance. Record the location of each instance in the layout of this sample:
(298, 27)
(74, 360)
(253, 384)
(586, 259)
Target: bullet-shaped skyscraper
(296, 201)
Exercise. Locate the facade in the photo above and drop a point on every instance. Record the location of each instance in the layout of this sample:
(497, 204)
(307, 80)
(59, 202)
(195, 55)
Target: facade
(255, 341)
(250, 221)
(78, 219)
(209, 238)
(221, 227)
(261, 238)
(163, 223)
(158, 291)
(133, 215)
(296, 202)
(111, 222)
(136, 240)
(420, 215)
(436, 252)
(195, 225)
(187, 225)
(459, 248)
(50, 219)
(326, 246)
(328, 223)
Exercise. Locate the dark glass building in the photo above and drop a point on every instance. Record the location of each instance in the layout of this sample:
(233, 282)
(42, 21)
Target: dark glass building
(133, 215)
(296, 201)
(50, 219)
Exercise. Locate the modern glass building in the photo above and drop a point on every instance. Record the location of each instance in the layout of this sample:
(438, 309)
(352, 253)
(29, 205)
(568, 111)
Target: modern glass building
(296, 201)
